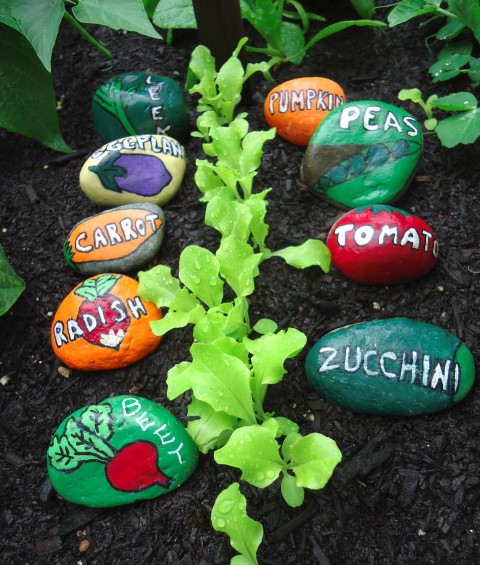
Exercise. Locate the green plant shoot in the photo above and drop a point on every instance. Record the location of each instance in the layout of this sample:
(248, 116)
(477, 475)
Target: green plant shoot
(232, 362)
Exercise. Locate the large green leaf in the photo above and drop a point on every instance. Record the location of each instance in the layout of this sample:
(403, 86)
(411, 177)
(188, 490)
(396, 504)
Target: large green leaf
(462, 128)
(11, 285)
(408, 9)
(468, 13)
(175, 14)
(27, 98)
(117, 14)
(37, 20)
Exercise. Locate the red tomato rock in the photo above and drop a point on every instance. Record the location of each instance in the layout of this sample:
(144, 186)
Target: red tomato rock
(296, 107)
(382, 245)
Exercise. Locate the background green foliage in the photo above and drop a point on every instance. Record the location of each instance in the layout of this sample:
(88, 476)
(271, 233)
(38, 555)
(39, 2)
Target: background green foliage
(28, 32)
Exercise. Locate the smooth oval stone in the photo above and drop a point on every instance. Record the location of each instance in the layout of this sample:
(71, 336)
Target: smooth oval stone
(396, 366)
(137, 169)
(124, 449)
(136, 103)
(363, 153)
(104, 324)
(296, 107)
(380, 244)
(117, 240)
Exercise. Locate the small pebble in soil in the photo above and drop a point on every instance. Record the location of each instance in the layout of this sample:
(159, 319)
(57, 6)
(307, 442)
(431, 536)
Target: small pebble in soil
(395, 366)
(296, 107)
(363, 153)
(138, 102)
(117, 240)
(136, 169)
(125, 448)
(104, 324)
(379, 244)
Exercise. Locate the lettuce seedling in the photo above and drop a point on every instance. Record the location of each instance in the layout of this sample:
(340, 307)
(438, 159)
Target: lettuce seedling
(232, 363)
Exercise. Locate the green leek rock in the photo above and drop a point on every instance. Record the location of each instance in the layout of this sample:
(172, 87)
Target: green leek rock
(395, 366)
(139, 103)
(363, 153)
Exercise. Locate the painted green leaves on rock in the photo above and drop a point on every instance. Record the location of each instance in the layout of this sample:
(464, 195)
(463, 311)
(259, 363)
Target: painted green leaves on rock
(395, 366)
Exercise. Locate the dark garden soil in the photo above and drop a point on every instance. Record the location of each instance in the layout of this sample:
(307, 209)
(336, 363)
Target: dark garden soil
(408, 489)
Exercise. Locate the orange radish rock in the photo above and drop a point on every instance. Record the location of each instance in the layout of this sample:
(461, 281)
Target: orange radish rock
(296, 107)
(104, 324)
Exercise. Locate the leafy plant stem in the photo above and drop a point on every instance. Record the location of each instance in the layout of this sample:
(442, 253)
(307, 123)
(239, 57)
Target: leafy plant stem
(84, 33)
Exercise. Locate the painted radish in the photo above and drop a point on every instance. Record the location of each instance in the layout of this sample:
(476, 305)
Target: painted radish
(135, 468)
(102, 317)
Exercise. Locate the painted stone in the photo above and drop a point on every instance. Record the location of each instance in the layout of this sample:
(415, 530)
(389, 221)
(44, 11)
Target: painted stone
(296, 107)
(137, 169)
(136, 103)
(104, 324)
(363, 153)
(395, 366)
(380, 244)
(124, 449)
(117, 240)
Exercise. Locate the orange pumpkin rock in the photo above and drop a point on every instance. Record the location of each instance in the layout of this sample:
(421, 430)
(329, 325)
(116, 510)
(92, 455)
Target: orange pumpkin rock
(296, 107)
(104, 324)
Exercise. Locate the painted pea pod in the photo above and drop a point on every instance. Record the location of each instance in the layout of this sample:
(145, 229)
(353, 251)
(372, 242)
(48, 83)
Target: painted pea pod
(379, 244)
(394, 367)
(363, 152)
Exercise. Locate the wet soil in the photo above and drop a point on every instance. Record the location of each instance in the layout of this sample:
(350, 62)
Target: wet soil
(408, 489)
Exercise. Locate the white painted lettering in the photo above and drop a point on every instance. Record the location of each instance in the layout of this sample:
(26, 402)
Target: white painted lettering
(358, 360)
(326, 364)
(392, 121)
(348, 115)
(99, 238)
(74, 330)
(271, 102)
(143, 422)
(60, 337)
(387, 355)
(364, 235)
(412, 367)
(119, 308)
(151, 218)
(440, 375)
(128, 232)
(387, 231)
(341, 232)
(369, 116)
(136, 307)
(411, 236)
(130, 406)
(112, 234)
(409, 121)
(90, 322)
(369, 372)
(140, 227)
(82, 248)
(177, 453)
(157, 112)
(297, 100)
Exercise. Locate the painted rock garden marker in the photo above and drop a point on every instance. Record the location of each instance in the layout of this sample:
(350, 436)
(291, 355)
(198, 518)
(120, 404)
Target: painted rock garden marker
(104, 324)
(117, 240)
(136, 103)
(124, 449)
(142, 168)
(380, 244)
(296, 107)
(363, 153)
(395, 366)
